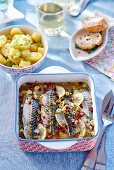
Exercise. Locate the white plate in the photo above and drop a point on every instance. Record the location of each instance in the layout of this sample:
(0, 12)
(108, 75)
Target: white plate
(11, 15)
(54, 69)
(52, 78)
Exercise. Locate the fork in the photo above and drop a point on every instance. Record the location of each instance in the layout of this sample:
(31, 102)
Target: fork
(75, 10)
(107, 119)
(101, 158)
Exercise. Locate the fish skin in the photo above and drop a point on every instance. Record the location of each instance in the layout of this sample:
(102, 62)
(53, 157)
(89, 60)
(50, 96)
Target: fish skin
(48, 98)
(30, 116)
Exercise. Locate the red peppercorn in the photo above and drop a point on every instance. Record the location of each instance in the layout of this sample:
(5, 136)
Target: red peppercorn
(46, 126)
(48, 136)
(56, 131)
(73, 123)
(51, 136)
(67, 107)
(29, 102)
(81, 114)
(33, 97)
(55, 92)
(81, 106)
(77, 118)
(35, 116)
(71, 100)
(74, 126)
(39, 89)
(80, 83)
(47, 83)
(43, 117)
(78, 112)
(21, 135)
(92, 127)
(91, 109)
(58, 137)
(41, 121)
(59, 128)
(63, 130)
(66, 126)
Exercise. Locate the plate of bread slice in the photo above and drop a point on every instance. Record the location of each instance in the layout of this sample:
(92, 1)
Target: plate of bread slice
(91, 39)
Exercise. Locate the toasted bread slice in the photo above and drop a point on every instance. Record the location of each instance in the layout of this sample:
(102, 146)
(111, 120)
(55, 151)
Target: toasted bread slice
(87, 40)
(94, 24)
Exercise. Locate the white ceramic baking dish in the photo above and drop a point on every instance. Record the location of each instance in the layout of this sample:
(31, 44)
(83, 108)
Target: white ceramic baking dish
(81, 144)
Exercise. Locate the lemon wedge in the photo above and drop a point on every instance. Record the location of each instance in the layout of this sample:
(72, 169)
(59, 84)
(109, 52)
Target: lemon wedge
(60, 117)
(41, 130)
(82, 129)
(78, 97)
(60, 91)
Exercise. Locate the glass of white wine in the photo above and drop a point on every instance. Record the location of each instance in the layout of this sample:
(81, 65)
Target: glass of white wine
(51, 14)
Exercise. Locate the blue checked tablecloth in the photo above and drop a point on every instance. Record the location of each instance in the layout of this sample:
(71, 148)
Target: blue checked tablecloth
(11, 157)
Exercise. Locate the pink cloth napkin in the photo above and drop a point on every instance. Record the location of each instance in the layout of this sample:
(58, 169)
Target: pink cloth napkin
(104, 62)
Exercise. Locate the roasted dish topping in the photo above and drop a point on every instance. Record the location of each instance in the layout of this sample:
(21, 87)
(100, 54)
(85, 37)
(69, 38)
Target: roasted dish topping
(55, 110)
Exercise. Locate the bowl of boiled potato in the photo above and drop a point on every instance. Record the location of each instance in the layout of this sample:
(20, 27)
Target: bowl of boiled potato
(22, 49)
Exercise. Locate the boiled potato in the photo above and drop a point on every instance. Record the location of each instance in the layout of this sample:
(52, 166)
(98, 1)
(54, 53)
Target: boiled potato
(21, 42)
(3, 40)
(2, 59)
(15, 30)
(20, 50)
(8, 41)
(41, 50)
(24, 63)
(15, 66)
(14, 52)
(26, 54)
(35, 56)
(15, 60)
(5, 50)
(9, 37)
(36, 36)
(33, 47)
(40, 44)
(9, 63)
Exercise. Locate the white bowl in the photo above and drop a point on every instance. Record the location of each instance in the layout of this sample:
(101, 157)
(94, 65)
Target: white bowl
(81, 143)
(81, 55)
(33, 67)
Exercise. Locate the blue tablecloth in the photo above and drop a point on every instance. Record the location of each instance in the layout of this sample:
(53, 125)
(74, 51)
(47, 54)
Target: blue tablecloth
(11, 157)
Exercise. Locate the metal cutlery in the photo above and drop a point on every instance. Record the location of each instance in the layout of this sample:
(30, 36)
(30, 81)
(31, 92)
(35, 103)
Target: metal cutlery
(100, 163)
(75, 10)
(107, 119)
